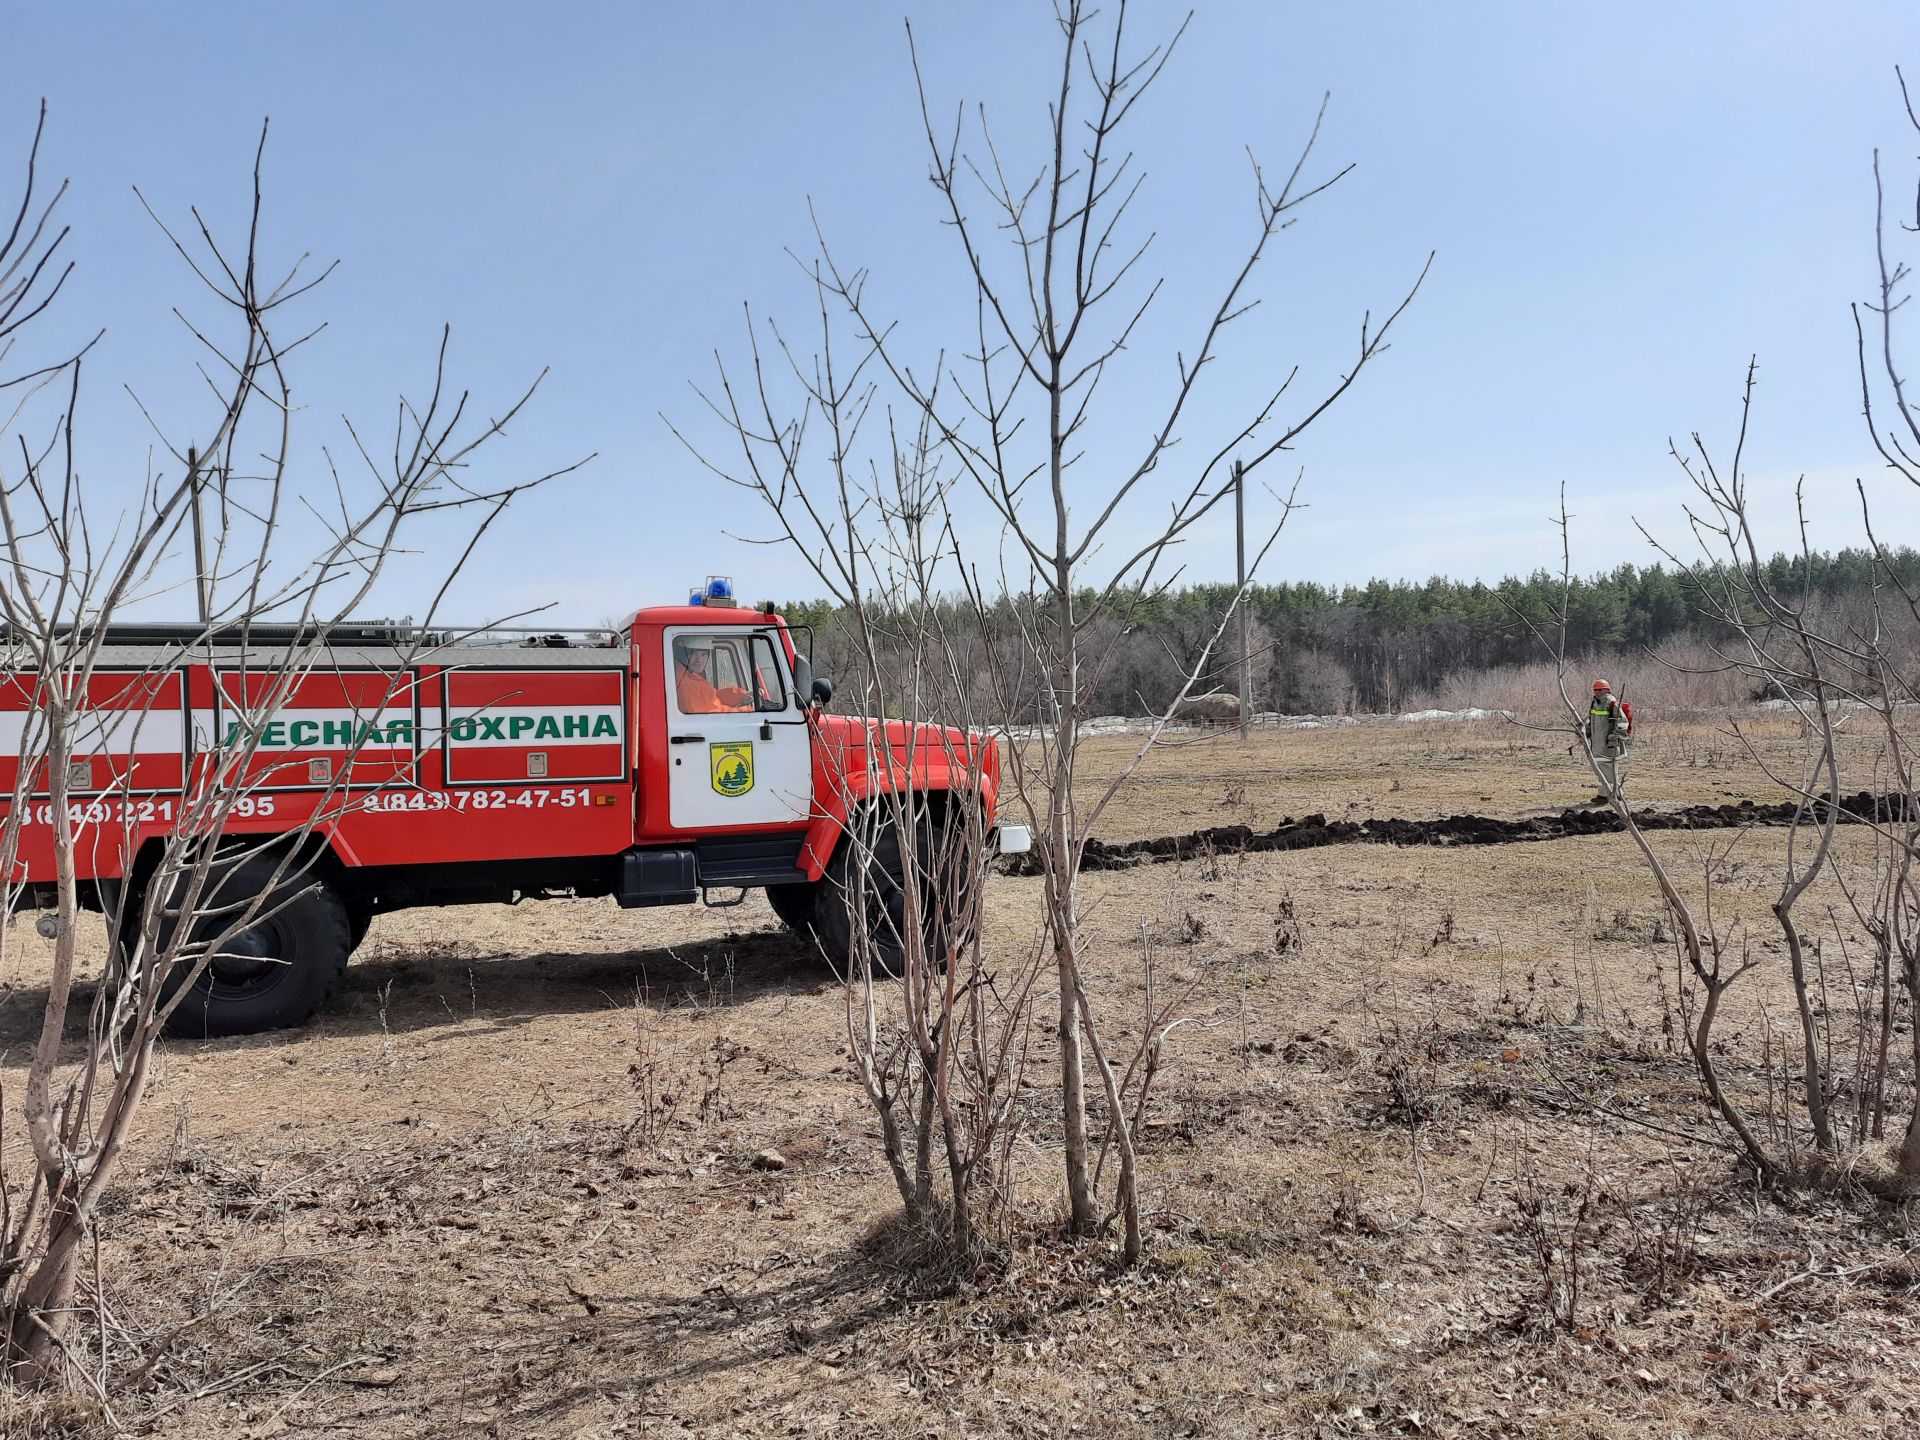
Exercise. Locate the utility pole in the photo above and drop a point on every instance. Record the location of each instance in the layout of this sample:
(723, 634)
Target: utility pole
(202, 584)
(1240, 588)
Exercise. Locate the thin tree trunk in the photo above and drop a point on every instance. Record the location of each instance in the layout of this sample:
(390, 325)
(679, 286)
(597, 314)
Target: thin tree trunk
(1066, 954)
(1073, 1077)
(1811, 1071)
(43, 1308)
(1127, 1185)
(44, 1311)
(923, 1148)
(1699, 1040)
(1908, 1164)
(1062, 842)
(1884, 1037)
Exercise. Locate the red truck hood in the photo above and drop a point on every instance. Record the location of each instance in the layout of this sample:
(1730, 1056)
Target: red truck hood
(917, 755)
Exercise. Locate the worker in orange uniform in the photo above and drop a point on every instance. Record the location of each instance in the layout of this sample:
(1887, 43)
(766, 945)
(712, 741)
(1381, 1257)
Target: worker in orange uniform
(1609, 723)
(693, 683)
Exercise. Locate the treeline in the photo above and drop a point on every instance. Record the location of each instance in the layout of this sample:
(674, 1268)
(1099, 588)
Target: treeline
(1385, 645)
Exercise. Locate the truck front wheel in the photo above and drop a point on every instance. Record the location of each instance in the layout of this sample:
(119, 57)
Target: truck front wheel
(794, 904)
(359, 918)
(861, 901)
(273, 973)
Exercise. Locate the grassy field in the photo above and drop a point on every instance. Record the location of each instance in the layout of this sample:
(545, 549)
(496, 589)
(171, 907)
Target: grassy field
(1420, 771)
(506, 1187)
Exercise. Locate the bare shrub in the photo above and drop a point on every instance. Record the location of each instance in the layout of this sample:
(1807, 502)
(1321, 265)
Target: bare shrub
(1832, 1100)
(994, 422)
(70, 564)
(1685, 678)
(1664, 1233)
(1563, 1223)
(659, 1086)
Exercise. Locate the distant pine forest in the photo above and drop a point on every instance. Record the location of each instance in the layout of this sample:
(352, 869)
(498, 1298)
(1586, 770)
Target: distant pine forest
(1395, 646)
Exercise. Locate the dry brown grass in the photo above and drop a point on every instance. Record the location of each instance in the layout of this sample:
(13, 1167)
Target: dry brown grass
(451, 1207)
(1423, 770)
(1687, 678)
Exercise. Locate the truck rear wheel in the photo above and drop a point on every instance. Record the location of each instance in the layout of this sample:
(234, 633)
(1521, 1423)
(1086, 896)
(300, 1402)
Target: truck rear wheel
(276, 971)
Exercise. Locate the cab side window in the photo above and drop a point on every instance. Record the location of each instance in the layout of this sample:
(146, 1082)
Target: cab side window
(769, 683)
(727, 673)
(706, 675)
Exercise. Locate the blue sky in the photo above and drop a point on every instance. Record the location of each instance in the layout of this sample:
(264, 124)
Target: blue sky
(1626, 202)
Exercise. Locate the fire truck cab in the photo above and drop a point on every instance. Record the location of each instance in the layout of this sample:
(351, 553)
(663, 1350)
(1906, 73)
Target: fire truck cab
(685, 756)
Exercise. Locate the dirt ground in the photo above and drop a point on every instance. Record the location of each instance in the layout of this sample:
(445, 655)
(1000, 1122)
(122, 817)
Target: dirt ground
(506, 1186)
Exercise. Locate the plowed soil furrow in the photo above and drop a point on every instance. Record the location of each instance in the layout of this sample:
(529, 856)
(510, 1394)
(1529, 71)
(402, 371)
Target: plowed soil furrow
(1314, 831)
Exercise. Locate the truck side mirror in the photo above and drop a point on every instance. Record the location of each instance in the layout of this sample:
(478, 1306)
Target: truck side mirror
(813, 691)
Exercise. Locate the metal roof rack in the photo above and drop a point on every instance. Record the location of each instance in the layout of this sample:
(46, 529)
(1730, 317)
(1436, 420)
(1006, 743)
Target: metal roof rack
(265, 634)
(594, 637)
(260, 633)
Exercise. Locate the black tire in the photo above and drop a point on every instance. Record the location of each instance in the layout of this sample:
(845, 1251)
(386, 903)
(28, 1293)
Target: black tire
(794, 904)
(884, 897)
(359, 917)
(275, 973)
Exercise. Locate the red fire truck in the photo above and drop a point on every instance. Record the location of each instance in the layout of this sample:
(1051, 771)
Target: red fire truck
(685, 756)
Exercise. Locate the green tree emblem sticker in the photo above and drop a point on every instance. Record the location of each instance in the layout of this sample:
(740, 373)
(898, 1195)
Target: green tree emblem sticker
(732, 767)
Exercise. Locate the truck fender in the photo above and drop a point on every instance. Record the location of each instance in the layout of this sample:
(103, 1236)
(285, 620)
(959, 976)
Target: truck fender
(838, 802)
(328, 856)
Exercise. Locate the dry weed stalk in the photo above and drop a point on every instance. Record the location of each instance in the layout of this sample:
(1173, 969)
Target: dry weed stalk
(1563, 1223)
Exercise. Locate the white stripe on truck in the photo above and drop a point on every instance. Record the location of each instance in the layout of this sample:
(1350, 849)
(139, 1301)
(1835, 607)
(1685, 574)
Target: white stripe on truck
(104, 732)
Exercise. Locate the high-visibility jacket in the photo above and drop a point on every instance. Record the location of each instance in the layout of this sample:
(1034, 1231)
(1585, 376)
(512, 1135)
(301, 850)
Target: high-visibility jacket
(698, 696)
(1607, 727)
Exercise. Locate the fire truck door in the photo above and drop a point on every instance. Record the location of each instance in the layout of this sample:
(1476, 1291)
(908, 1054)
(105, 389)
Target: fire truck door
(738, 751)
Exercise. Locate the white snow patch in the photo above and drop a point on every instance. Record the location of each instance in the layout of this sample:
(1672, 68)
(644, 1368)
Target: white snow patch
(1471, 713)
(1808, 705)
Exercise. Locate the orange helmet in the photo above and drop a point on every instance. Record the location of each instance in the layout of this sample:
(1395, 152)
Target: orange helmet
(1600, 685)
